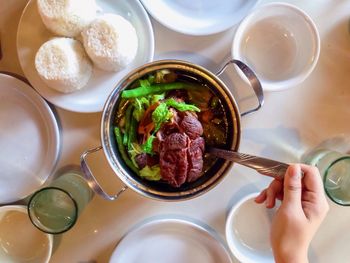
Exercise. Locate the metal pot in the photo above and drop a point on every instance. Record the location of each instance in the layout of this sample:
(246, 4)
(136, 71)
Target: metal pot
(163, 191)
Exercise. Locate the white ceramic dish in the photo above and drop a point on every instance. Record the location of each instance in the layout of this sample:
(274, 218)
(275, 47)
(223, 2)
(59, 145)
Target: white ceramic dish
(29, 140)
(170, 241)
(198, 17)
(32, 34)
(280, 43)
(248, 229)
(20, 241)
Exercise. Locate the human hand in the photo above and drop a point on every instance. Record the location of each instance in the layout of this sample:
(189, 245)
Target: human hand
(303, 208)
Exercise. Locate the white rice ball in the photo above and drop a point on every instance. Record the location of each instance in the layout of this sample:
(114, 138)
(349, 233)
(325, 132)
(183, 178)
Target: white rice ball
(111, 42)
(67, 17)
(63, 64)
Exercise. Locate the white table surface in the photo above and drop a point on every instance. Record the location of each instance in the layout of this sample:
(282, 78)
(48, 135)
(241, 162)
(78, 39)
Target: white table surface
(290, 122)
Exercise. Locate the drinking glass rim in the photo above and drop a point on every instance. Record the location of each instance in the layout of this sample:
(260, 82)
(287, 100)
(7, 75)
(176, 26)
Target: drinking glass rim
(59, 189)
(325, 178)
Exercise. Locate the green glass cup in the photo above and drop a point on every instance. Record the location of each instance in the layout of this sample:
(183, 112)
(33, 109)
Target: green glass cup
(334, 168)
(55, 209)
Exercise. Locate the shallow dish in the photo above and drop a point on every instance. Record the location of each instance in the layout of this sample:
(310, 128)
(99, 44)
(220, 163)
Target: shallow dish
(32, 34)
(199, 17)
(170, 241)
(248, 229)
(280, 43)
(29, 140)
(20, 241)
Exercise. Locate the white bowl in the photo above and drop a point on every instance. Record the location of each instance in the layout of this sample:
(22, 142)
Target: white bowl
(280, 43)
(248, 231)
(198, 17)
(20, 240)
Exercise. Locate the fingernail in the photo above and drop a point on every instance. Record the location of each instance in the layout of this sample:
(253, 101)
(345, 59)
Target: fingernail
(296, 172)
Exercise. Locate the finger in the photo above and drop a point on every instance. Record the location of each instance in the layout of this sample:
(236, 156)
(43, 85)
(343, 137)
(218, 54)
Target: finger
(312, 179)
(279, 196)
(261, 197)
(292, 186)
(272, 191)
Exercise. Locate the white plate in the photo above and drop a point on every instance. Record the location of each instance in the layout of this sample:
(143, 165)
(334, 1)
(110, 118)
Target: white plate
(29, 140)
(198, 17)
(170, 241)
(32, 34)
(248, 230)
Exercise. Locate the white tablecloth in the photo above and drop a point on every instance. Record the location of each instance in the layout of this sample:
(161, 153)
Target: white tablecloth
(290, 122)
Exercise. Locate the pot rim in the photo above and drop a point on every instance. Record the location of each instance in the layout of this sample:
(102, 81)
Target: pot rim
(111, 155)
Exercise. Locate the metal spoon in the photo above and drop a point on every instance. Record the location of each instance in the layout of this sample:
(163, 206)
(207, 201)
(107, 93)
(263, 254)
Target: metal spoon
(264, 166)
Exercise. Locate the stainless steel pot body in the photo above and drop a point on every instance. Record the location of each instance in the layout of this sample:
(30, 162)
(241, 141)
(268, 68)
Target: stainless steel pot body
(163, 191)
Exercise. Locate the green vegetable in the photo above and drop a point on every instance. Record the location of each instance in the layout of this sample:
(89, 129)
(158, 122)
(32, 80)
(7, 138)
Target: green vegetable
(159, 115)
(122, 151)
(147, 147)
(132, 131)
(144, 83)
(160, 75)
(122, 108)
(140, 104)
(151, 79)
(156, 97)
(151, 173)
(134, 150)
(127, 124)
(181, 106)
(152, 89)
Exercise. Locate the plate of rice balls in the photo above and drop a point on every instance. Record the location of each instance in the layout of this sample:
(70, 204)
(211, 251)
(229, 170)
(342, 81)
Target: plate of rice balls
(74, 52)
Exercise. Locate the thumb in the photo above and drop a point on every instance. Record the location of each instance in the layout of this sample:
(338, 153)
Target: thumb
(292, 186)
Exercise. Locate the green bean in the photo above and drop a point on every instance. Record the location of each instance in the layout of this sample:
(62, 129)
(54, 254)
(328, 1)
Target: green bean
(152, 89)
(132, 131)
(127, 124)
(123, 153)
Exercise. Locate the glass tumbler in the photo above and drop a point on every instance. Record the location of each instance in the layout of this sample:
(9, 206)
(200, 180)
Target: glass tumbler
(334, 167)
(55, 209)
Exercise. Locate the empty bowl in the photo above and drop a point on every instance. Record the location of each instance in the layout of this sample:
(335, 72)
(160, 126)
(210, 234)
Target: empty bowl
(20, 240)
(248, 231)
(280, 43)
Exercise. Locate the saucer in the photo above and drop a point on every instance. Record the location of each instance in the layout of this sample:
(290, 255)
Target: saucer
(170, 240)
(248, 231)
(29, 139)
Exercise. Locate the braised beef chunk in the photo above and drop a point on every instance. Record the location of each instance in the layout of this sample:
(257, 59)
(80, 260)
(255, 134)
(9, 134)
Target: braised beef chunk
(191, 126)
(174, 166)
(173, 159)
(141, 160)
(144, 159)
(175, 141)
(195, 159)
(152, 160)
(181, 153)
(173, 125)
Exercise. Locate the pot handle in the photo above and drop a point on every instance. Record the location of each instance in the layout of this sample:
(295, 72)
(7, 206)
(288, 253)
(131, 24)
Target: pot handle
(252, 78)
(91, 180)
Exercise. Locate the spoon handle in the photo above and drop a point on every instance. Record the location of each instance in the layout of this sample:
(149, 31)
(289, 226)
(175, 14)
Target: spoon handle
(264, 166)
